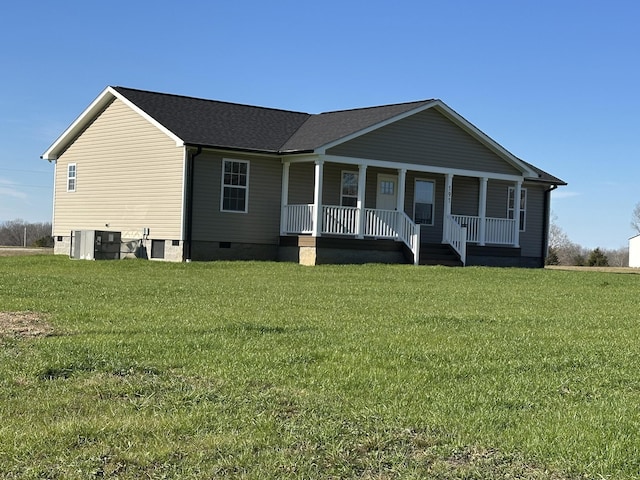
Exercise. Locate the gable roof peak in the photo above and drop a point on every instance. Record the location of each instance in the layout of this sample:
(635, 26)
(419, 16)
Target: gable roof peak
(373, 107)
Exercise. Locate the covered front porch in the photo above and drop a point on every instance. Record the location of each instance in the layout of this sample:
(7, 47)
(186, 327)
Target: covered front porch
(374, 200)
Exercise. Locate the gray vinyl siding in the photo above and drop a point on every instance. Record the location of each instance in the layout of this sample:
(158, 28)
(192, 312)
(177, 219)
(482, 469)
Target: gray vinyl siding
(531, 239)
(129, 176)
(532, 236)
(301, 183)
(260, 225)
(428, 139)
(465, 197)
(428, 233)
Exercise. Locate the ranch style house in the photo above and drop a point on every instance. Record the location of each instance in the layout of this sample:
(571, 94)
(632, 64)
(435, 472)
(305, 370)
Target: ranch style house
(178, 178)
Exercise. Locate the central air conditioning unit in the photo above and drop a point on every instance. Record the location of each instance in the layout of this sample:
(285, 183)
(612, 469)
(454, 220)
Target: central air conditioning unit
(95, 245)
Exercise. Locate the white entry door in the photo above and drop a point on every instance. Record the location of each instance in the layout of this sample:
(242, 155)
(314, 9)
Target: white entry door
(387, 194)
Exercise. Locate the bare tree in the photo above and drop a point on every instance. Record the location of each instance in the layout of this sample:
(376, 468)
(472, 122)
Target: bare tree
(19, 233)
(635, 218)
(562, 249)
(618, 257)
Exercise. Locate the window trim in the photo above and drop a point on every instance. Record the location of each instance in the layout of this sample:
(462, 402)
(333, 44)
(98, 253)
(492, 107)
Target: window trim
(433, 202)
(523, 207)
(244, 187)
(73, 178)
(342, 195)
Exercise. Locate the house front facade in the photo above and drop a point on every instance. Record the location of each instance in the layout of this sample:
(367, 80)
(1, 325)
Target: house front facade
(181, 178)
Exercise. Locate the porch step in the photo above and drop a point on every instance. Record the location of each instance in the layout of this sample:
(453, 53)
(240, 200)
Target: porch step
(439, 254)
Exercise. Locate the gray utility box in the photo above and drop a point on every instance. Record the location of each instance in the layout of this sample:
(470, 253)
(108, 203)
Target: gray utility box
(95, 245)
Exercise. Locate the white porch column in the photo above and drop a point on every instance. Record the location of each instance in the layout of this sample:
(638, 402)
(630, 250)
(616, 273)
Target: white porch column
(516, 213)
(482, 211)
(362, 184)
(316, 230)
(448, 192)
(284, 198)
(402, 181)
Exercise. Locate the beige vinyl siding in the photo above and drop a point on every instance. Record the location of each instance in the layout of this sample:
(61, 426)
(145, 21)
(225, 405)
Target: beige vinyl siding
(261, 223)
(129, 176)
(426, 138)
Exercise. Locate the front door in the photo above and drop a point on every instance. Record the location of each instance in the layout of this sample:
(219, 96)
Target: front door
(387, 194)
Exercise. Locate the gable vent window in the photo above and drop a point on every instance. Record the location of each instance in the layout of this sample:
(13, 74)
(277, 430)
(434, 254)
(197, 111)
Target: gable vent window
(235, 186)
(71, 177)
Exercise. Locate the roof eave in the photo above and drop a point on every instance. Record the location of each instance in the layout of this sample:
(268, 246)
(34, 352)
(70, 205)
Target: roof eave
(482, 137)
(92, 111)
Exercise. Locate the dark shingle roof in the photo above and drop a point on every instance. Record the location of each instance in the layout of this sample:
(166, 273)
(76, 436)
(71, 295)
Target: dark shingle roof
(544, 176)
(218, 124)
(212, 123)
(327, 127)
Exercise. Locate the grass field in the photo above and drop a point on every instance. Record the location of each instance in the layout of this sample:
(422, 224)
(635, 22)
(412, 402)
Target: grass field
(137, 369)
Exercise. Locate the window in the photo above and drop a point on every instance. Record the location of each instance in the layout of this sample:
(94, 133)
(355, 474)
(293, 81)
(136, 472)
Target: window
(71, 177)
(423, 202)
(386, 187)
(235, 186)
(523, 206)
(349, 189)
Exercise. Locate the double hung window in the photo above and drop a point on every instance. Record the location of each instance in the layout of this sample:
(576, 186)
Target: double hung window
(349, 189)
(71, 177)
(523, 206)
(235, 186)
(423, 202)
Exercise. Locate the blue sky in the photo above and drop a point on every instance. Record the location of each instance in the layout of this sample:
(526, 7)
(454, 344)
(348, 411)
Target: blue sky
(557, 83)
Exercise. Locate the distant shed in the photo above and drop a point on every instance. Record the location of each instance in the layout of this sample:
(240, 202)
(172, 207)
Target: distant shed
(634, 251)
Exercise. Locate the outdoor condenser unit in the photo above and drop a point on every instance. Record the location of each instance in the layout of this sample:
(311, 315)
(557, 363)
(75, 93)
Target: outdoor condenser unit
(95, 245)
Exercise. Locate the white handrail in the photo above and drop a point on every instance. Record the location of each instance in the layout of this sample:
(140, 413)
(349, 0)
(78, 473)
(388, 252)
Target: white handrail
(456, 236)
(409, 233)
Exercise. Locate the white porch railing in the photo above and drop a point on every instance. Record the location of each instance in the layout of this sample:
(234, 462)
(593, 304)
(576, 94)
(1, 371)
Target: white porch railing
(337, 220)
(340, 220)
(501, 231)
(298, 218)
(456, 236)
(497, 231)
(380, 223)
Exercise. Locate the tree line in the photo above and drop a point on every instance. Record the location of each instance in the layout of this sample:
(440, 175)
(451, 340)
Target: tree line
(562, 251)
(18, 233)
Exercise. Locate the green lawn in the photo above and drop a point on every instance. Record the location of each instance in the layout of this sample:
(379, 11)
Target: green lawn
(266, 370)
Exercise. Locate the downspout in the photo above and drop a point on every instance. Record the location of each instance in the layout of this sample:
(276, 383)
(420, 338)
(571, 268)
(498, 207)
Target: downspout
(189, 206)
(547, 213)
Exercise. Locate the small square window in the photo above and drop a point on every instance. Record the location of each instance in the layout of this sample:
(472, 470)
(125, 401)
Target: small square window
(175, 243)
